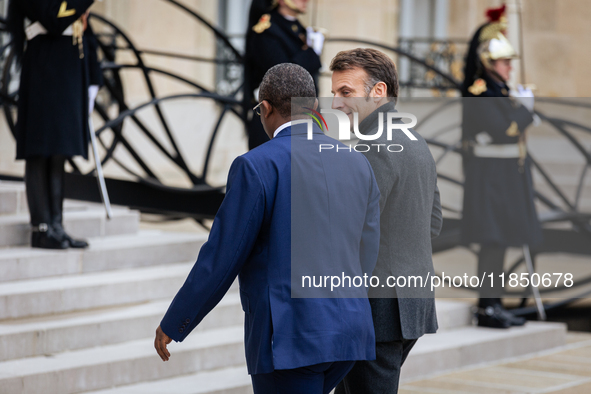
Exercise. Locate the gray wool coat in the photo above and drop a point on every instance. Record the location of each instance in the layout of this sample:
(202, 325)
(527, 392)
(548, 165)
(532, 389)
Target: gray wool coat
(410, 217)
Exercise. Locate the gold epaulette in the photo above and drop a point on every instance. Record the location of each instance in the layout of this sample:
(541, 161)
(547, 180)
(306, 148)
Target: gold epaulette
(513, 130)
(263, 24)
(64, 12)
(478, 87)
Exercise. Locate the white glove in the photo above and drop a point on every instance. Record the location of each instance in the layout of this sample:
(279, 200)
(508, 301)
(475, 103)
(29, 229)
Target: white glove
(525, 96)
(315, 40)
(92, 93)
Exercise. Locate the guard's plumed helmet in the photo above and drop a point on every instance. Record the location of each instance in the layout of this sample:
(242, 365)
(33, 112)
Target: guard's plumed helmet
(495, 48)
(488, 44)
(493, 43)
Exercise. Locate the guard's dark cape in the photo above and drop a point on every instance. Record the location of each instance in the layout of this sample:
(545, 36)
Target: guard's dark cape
(53, 95)
(498, 192)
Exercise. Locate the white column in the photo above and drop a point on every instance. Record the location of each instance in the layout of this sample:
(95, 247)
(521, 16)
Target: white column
(513, 35)
(406, 18)
(441, 10)
(406, 24)
(236, 20)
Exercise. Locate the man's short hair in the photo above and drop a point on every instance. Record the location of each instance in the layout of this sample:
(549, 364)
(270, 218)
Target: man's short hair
(378, 66)
(284, 82)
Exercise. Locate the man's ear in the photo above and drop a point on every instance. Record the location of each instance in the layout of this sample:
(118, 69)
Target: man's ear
(379, 90)
(315, 105)
(267, 109)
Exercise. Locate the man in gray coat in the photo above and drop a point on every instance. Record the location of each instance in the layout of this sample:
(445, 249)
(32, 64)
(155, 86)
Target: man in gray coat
(365, 82)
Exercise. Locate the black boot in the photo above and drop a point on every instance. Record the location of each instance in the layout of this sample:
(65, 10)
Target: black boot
(36, 181)
(56, 198)
(492, 317)
(72, 243)
(43, 236)
(516, 321)
(491, 313)
(490, 308)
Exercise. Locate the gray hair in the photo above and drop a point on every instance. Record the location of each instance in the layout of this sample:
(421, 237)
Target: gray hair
(369, 83)
(284, 82)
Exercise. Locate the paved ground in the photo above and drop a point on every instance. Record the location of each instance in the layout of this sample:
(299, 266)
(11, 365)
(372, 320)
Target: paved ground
(566, 371)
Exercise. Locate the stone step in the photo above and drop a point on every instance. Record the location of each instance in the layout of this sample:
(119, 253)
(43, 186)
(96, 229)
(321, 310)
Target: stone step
(558, 169)
(73, 331)
(469, 346)
(453, 314)
(568, 189)
(584, 205)
(83, 221)
(37, 297)
(557, 149)
(105, 253)
(121, 364)
(234, 380)
(433, 355)
(12, 198)
(571, 180)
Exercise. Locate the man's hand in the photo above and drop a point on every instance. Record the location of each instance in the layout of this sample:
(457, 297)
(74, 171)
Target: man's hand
(160, 344)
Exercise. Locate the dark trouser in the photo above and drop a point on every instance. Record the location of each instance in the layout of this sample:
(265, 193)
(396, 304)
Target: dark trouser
(491, 259)
(380, 376)
(313, 379)
(44, 180)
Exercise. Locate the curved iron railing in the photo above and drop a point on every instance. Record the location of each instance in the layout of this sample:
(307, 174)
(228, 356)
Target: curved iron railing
(149, 193)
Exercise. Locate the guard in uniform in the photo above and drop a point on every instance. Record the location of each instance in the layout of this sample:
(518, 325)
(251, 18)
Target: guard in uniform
(498, 209)
(53, 104)
(275, 36)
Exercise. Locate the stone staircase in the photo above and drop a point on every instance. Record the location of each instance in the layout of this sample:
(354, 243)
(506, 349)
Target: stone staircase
(84, 321)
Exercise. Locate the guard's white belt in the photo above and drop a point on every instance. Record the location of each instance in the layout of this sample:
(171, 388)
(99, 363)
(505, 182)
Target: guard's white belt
(505, 151)
(37, 28)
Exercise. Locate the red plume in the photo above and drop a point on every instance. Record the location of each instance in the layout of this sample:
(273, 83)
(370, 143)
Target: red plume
(495, 14)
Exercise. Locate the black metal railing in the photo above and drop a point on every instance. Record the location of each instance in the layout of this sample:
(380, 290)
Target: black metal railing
(444, 55)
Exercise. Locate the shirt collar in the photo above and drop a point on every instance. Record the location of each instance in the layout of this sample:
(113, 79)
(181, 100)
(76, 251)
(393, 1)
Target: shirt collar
(286, 125)
(281, 128)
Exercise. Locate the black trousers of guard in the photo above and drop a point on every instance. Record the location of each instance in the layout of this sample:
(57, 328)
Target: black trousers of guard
(380, 376)
(491, 259)
(44, 180)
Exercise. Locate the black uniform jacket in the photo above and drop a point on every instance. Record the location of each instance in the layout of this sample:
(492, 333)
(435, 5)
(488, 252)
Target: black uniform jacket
(53, 95)
(283, 41)
(274, 40)
(498, 192)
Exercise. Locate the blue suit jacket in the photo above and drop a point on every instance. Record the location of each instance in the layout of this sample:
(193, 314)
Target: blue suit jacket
(251, 237)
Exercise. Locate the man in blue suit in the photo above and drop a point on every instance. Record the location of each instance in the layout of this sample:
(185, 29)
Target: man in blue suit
(293, 345)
